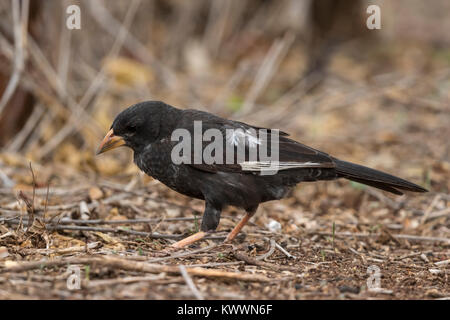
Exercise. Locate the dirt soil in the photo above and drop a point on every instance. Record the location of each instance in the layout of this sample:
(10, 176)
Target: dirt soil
(329, 240)
(98, 220)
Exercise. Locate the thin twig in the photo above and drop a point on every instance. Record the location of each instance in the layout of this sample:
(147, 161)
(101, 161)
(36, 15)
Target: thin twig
(438, 214)
(243, 257)
(368, 235)
(65, 221)
(190, 283)
(216, 264)
(108, 23)
(20, 23)
(124, 264)
(31, 125)
(75, 249)
(387, 201)
(6, 181)
(268, 253)
(270, 64)
(284, 251)
(110, 282)
(183, 254)
(151, 235)
(112, 230)
(430, 208)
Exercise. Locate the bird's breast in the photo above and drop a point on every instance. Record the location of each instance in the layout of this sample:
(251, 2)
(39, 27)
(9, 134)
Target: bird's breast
(157, 163)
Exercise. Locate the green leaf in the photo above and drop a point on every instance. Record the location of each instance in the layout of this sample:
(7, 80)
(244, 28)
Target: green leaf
(87, 270)
(334, 231)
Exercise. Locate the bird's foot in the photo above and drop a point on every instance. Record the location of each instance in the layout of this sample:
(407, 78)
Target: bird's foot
(189, 240)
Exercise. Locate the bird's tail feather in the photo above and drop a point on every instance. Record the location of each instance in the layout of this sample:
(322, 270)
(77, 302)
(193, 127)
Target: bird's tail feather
(374, 178)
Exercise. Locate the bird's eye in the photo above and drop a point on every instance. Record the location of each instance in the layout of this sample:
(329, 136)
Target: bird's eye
(131, 128)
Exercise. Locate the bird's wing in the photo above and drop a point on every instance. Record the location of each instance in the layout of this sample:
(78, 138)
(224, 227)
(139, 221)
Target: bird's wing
(251, 147)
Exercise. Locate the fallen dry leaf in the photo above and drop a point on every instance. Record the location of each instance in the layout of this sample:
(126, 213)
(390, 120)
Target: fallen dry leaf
(95, 193)
(111, 242)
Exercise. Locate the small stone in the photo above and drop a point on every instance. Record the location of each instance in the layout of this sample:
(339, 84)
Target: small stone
(424, 258)
(273, 226)
(3, 252)
(435, 271)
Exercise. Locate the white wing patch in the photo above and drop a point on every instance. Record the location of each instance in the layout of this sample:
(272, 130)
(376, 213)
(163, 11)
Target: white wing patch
(236, 137)
(274, 165)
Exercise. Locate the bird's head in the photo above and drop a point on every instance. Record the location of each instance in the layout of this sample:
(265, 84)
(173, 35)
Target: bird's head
(135, 127)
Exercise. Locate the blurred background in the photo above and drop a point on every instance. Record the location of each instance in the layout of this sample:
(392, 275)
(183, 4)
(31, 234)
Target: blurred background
(311, 68)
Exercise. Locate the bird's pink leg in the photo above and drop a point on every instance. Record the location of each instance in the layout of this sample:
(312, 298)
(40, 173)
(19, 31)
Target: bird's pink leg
(189, 240)
(238, 227)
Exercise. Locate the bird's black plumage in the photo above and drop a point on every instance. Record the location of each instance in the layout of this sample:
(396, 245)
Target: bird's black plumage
(147, 128)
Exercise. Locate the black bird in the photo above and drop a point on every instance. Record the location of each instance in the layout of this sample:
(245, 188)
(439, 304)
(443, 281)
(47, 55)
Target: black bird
(244, 182)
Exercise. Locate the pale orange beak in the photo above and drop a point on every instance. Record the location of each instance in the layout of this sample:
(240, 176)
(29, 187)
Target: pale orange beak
(109, 142)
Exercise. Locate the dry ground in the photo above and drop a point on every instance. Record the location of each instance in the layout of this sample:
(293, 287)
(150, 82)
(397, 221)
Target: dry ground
(318, 265)
(118, 229)
(385, 105)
